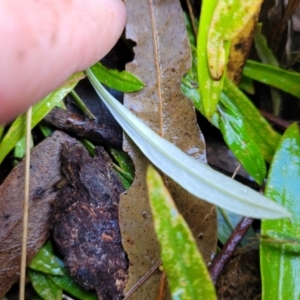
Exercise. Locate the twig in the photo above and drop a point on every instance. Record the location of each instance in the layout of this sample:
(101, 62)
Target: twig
(193, 19)
(235, 171)
(276, 120)
(162, 286)
(25, 206)
(84, 127)
(223, 257)
(142, 280)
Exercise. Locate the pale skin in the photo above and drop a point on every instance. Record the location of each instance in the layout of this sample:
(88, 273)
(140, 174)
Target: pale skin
(43, 42)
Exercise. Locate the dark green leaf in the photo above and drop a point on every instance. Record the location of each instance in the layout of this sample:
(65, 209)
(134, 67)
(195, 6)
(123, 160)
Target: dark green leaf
(124, 161)
(121, 81)
(263, 50)
(46, 262)
(44, 286)
(280, 266)
(281, 79)
(237, 137)
(259, 129)
(68, 285)
(246, 84)
(187, 274)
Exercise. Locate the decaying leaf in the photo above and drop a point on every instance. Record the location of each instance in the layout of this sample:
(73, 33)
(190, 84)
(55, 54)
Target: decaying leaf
(239, 49)
(44, 173)
(161, 59)
(85, 221)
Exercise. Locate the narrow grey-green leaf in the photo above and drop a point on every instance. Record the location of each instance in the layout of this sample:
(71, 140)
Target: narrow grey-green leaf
(197, 178)
(187, 274)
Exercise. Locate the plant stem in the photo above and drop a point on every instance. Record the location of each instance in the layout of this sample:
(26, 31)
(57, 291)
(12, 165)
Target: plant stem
(223, 257)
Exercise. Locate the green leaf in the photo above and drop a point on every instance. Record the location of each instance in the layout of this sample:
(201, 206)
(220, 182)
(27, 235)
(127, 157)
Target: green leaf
(20, 148)
(194, 176)
(1, 131)
(68, 285)
(246, 84)
(263, 50)
(228, 19)
(209, 88)
(79, 102)
(124, 161)
(187, 274)
(280, 267)
(47, 269)
(278, 239)
(125, 182)
(245, 120)
(281, 79)
(17, 130)
(46, 262)
(266, 56)
(44, 286)
(121, 81)
(237, 137)
(258, 128)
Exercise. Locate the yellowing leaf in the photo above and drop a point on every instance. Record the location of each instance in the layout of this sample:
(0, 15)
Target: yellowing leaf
(187, 273)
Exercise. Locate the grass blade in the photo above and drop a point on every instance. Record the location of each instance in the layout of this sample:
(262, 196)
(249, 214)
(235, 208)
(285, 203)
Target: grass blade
(39, 111)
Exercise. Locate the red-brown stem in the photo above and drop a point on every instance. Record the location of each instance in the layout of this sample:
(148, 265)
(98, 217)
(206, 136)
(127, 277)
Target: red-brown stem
(223, 257)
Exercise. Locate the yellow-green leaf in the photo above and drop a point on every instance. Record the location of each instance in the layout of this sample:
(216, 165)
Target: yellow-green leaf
(17, 130)
(187, 274)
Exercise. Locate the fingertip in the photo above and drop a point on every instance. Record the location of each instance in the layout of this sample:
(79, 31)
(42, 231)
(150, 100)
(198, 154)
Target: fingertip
(47, 41)
(109, 25)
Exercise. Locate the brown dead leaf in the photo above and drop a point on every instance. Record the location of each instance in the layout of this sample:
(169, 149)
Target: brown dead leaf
(162, 57)
(44, 173)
